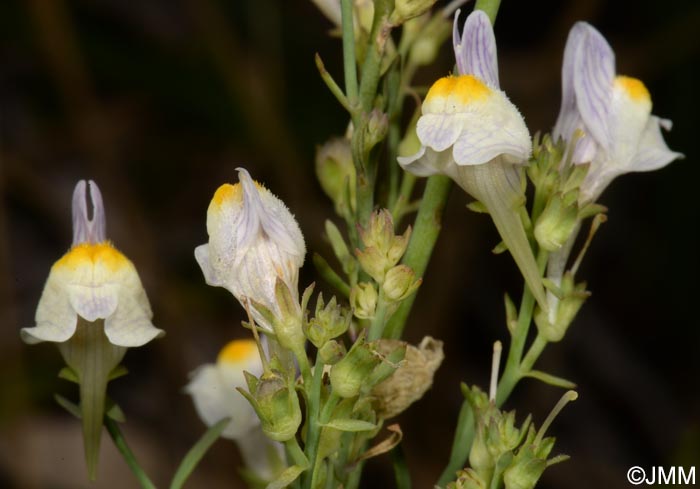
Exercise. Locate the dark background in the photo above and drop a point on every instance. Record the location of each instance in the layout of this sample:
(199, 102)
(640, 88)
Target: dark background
(159, 101)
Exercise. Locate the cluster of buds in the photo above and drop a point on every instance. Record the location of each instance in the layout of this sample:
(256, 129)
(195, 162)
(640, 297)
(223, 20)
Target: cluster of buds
(379, 258)
(503, 452)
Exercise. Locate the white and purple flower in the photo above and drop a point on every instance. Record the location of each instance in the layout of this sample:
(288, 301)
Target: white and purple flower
(613, 112)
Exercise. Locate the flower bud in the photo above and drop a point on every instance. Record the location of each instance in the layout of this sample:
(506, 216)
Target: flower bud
(330, 321)
(558, 221)
(277, 404)
(412, 378)
(375, 129)
(382, 248)
(400, 283)
(553, 325)
(331, 352)
(348, 375)
(408, 9)
(363, 299)
(287, 325)
(335, 171)
(525, 470)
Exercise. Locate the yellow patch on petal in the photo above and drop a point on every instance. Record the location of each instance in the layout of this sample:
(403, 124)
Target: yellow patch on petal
(634, 88)
(100, 254)
(228, 192)
(237, 351)
(450, 92)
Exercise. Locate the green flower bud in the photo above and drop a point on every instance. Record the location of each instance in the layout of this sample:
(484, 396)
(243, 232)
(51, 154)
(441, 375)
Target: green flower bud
(330, 321)
(363, 299)
(331, 352)
(557, 222)
(375, 129)
(525, 469)
(408, 9)
(349, 375)
(382, 248)
(335, 171)
(553, 325)
(287, 326)
(400, 282)
(276, 402)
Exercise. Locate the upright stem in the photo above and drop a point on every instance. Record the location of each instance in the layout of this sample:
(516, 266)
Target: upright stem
(350, 71)
(490, 7)
(314, 427)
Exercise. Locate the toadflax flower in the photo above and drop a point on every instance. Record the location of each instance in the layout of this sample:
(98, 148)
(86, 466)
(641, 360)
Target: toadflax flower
(471, 132)
(213, 390)
(94, 306)
(614, 113)
(253, 241)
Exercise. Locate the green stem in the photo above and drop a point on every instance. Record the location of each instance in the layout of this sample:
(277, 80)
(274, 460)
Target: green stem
(513, 371)
(426, 230)
(371, 68)
(376, 328)
(533, 354)
(461, 446)
(129, 458)
(401, 473)
(350, 71)
(314, 427)
(399, 209)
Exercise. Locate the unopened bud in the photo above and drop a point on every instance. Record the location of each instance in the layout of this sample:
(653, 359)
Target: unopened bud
(467, 479)
(400, 282)
(557, 222)
(331, 352)
(335, 171)
(276, 403)
(349, 374)
(554, 324)
(376, 129)
(363, 299)
(330, 321)
(408, 9)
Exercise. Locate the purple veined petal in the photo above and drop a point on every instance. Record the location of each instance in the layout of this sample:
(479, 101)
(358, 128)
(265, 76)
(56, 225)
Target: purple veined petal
(86, 230)
(477, 48)
(653, 153)
(439, 131)
(252, 209)
(460, 55)
(593, 74)
(569, 118)
(422, 164)
(272, 216)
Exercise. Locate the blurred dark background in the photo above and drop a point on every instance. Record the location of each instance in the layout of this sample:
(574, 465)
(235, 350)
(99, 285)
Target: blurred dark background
(160, 101)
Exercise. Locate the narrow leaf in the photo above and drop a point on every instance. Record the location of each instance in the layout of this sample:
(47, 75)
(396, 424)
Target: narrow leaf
(286, 478)
(195, 454)
(550, 379)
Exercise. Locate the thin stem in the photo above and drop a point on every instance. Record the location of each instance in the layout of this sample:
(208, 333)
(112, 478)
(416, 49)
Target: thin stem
(314, 422)
(533, 354)
(376, 328)
(400, 205)
(331, 84)
(513, 370)
(461, 446)
(349, 51)
(129, 458)
(426, 230)
(379, 36)
(401, 473)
